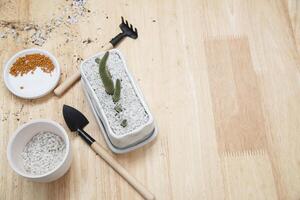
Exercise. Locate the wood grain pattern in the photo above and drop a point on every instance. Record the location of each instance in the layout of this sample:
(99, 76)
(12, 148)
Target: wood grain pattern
(258, 181)
(236, 96)
(172, 61)
(293, 7)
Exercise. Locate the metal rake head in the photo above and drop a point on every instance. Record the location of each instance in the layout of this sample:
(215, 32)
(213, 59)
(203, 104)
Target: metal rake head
(128, 29)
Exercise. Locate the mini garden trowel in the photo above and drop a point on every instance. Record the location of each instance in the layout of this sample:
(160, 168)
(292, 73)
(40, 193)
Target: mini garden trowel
(76, 121)
(127, 31)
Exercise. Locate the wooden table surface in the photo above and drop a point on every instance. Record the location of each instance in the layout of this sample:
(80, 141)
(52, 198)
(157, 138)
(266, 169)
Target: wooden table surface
(221, 78)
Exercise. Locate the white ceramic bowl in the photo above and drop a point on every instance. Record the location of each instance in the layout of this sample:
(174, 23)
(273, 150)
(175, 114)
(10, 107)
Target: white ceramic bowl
(31, 86)
(23, 135)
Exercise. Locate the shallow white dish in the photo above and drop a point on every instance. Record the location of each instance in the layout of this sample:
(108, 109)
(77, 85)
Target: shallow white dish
(31, 86)
(119, 143)
(23, 135)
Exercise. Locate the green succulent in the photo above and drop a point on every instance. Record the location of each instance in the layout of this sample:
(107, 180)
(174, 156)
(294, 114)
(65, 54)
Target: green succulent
(124, 123)
(105, 75)
(117, 92)
(110, 88)
(118, 108)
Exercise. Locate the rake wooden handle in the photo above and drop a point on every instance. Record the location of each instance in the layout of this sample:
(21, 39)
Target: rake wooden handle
(118, 168)
(62, 88)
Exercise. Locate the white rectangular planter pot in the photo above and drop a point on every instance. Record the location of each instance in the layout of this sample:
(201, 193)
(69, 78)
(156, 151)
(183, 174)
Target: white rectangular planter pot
(118, 143)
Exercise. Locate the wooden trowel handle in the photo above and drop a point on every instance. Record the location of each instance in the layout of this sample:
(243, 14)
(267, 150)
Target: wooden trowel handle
(62, 88)
(67, 84)
(118, 168)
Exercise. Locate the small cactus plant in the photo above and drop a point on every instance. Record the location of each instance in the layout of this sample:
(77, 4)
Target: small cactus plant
(124, 123)
(105, 75)
(118, 108)
(110, 88)
(117, 92)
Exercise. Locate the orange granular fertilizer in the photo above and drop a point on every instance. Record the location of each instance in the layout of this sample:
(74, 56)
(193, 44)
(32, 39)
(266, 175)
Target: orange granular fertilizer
(29, 63)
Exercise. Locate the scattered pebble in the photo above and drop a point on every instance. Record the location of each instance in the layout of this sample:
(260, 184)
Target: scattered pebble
(3, 35)
(39, 34)
(79, 2)
(87, 41)
(79, 59)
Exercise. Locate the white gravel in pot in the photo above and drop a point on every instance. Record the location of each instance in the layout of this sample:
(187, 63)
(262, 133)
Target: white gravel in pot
(43, 153)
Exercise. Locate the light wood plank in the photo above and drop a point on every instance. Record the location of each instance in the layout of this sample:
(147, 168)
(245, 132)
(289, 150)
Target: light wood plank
(172, 64)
